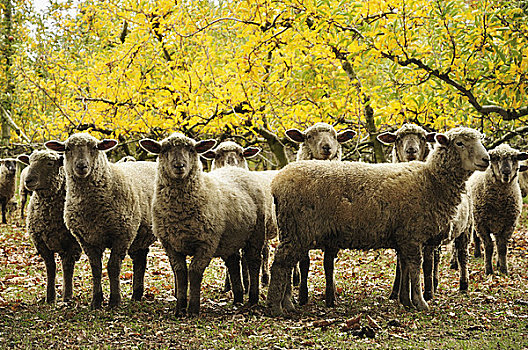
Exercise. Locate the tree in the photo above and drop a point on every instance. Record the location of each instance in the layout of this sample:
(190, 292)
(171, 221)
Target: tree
(251, 69)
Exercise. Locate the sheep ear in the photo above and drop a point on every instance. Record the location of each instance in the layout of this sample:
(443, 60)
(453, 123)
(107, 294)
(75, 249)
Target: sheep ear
(204, 145)
(23, 159)
(106, 144)
(523, 168)
(522, 156)
(250, 152)
(295, 135)
(387, 137)
(209, 154)
(442, 139)
(150, 145)
(430, 137)
(345, 135)
(56, 146)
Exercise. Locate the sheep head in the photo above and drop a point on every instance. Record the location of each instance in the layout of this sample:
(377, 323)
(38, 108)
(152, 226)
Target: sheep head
(321, 139)
(178, 155)
(81, 152)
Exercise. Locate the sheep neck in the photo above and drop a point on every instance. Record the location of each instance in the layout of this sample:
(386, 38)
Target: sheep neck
(447, 181)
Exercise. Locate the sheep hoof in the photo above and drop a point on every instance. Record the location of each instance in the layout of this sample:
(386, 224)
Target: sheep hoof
(463, 286)
(330, 302)
(137, 295)
(489, 271)
(193, 309)
(97, 301)
(296, 279)
(115, 300)
(303, 297)
(428, 296)
(422, 305)
(275, 310)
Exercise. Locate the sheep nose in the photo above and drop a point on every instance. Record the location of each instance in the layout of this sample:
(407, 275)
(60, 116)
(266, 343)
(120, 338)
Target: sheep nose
(179, 166)
(486, 161)
(29, 182)
(411, 150)
(81, 166)
(327, 148)
(506, 171)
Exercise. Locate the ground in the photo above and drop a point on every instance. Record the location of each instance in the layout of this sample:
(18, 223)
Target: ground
(494, 314)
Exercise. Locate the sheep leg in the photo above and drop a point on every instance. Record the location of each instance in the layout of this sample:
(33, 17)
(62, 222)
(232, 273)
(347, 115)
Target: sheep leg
(265, 264)
(461, 246)
(502, 250)
(453, 263)
(245, 273)
(95, 256)
(232, 263)
(286, 257)
(68, 266)
(227, 283)
(287, 301)
(296, 275)
(4, 211)
(139, 261)
(489, 248)
(397, 278)
(304, 269)
(200, 261)
(51, 268)
(436, 261)
(405, 292)
(330, 254)
(253, 254)
(23, 200)
(114, 272)
(179, 269)
(476, 240)
(428, 262)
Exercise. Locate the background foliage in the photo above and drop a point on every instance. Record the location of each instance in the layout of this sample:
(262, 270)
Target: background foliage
(248, 70)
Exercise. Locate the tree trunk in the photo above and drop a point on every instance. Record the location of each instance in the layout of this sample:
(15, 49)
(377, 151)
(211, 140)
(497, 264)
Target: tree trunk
(7, 52)
(276, 146)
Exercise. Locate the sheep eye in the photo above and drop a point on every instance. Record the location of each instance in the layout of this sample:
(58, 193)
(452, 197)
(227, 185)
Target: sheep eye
(460, 143)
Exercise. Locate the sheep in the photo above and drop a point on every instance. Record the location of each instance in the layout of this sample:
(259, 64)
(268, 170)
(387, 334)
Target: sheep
(411, 142)
(497, 203)
(23, 192)
(107, 206)
(45, 223)
(369, 206)
(229, 153)
(205, 215)
(320, 142)
(7, 184)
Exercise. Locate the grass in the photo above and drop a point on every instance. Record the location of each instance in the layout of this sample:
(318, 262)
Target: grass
(494, 314)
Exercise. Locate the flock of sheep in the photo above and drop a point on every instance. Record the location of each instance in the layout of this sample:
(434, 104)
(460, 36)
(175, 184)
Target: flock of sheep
(427, 197)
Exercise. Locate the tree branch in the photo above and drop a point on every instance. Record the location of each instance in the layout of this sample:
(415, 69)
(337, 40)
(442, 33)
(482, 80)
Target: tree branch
(508, 136)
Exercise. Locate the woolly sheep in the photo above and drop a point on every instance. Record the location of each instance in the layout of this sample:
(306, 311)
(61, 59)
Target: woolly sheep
(45, 223)
(497, 203)
(369, 206)
(411, 142)
(205, 215)
(7, 184)
(229, 153)
(319, 142)
(23, 192)
(108, 206)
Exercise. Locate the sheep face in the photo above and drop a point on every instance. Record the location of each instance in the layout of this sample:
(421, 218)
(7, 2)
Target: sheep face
(178, 155)
(81, 153)
(229, 153)
(321, 139)
(8, 166)
(44, 167)
(466, 144)
(505, 163)
(410, 142)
